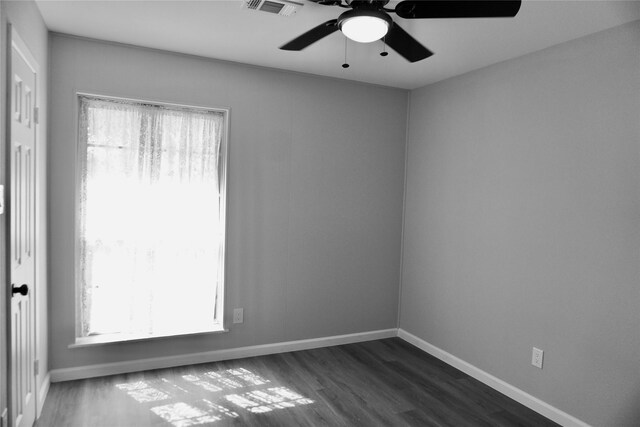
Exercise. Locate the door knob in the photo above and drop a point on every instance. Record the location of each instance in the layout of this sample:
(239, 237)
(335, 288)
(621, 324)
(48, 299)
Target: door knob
(22, 290)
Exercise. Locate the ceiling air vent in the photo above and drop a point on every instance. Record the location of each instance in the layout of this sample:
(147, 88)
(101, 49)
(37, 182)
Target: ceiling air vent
(279, 7)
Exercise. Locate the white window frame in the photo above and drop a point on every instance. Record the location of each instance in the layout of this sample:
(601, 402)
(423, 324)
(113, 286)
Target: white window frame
(81, 157)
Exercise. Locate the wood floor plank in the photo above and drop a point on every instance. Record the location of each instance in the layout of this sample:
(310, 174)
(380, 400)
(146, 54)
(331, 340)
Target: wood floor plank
(419, 419)
(379, 383)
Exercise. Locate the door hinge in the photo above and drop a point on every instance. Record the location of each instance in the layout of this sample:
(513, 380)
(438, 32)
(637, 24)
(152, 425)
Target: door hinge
(36, 115)
(36, 367)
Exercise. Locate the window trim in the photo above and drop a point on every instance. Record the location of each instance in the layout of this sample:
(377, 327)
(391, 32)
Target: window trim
(220, 325)
(124, 338)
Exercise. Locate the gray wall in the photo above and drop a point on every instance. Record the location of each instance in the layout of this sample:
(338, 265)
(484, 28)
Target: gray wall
(315, 195)
(25, 18)
(521, 222)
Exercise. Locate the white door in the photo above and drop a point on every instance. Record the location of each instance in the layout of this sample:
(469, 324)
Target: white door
(22, 177)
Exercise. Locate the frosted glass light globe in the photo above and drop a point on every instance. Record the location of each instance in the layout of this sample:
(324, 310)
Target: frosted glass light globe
(365, 29)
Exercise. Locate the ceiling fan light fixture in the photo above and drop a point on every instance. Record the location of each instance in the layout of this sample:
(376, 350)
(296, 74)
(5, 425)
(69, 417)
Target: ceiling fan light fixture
(365, 29)
(364, 25)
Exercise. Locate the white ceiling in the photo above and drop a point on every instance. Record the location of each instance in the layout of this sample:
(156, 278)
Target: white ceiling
(223, 29)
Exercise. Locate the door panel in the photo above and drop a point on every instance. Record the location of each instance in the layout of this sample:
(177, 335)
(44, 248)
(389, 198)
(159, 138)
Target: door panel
(22, 143)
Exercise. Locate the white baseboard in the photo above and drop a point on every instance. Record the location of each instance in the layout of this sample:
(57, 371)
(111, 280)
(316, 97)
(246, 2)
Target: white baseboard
(91, 371)
(42, 393)
(507, 389)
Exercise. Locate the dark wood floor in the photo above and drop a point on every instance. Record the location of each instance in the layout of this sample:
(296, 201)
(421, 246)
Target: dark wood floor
(378, 383)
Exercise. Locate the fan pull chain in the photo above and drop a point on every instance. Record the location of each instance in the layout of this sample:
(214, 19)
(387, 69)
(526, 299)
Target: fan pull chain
(384, 47)
(345, 65)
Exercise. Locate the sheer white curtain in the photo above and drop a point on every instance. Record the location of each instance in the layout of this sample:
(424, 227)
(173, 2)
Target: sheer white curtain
(151, 220)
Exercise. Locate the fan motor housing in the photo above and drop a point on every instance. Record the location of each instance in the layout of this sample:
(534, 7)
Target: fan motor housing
(375, 4)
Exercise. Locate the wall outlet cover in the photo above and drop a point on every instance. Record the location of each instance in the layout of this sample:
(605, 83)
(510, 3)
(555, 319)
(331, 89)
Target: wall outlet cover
(536, 357)
(238, 315)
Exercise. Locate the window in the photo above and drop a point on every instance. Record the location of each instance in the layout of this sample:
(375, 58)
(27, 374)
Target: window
(151, 219)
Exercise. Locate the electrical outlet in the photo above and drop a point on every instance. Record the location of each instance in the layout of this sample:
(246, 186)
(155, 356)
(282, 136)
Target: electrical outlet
(238, 315)
(536, 357)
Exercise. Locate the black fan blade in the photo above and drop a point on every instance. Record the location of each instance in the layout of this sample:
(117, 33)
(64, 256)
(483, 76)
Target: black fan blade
(400, 41)
(416, 9)
(312, 36)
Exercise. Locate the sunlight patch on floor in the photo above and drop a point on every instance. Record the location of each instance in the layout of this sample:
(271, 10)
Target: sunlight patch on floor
(260, 401)
(182, 415)
(250, 393)
(143, 392)
(199, 382)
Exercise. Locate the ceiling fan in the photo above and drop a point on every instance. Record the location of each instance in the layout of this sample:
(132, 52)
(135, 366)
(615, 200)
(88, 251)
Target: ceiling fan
(369, 20)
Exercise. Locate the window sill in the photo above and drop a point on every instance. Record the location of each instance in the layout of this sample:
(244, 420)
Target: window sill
(119, 338)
